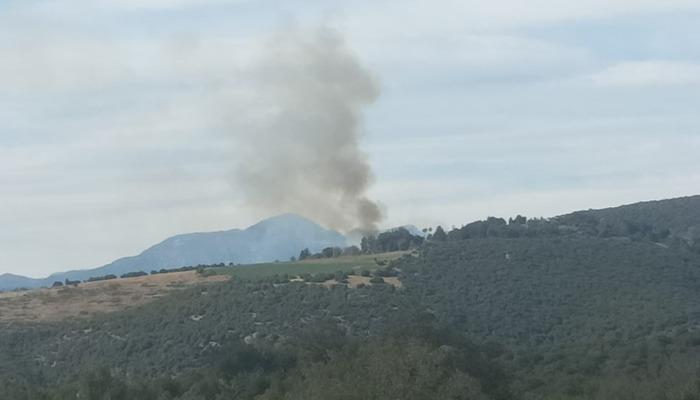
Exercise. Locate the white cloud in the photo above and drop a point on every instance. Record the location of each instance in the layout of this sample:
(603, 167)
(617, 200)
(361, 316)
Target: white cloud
(64, 8)
(470, 57)
(440, 16)
(648, 73)
(63, 62)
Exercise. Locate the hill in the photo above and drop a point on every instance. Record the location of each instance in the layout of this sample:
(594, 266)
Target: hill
(559, 313)
(276, 238)
(12, 281)
(674, 222)
(581, 305)
(107, 296)
(519, 309)
(669, 221)
(88, 299)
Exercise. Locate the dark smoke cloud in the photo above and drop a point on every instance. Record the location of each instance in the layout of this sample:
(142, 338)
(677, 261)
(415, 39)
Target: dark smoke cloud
(303, 154)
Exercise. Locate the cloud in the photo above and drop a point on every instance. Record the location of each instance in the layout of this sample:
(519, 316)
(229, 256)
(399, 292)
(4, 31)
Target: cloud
(482, 15)
(648, 73)
(476, 58)
(60, 62)
(81, 7)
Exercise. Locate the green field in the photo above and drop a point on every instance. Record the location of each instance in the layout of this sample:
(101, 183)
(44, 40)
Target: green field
(315, 266)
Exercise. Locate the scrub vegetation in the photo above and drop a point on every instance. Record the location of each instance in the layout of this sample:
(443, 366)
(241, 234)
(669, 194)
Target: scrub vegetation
(593, 305)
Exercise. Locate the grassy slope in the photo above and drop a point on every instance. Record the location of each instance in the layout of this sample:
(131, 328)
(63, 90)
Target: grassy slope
(315, 266)
(88, 299)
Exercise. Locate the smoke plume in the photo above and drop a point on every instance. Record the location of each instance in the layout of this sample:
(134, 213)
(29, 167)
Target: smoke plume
(303, 152)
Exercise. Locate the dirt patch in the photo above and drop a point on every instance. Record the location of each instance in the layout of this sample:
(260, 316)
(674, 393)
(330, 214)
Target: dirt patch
(353, 282)
(94, 297)
(356, 280)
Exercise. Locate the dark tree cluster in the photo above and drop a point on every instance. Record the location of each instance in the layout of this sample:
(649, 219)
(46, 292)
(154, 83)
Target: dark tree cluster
(396, 240)
(101, 278)
(134, 274)
(329, 252)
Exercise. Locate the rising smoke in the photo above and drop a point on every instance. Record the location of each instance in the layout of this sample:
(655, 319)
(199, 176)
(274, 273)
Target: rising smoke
(303, 152)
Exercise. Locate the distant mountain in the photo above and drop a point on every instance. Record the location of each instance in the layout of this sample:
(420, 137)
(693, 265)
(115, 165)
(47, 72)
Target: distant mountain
(11, 281)
(276, 238)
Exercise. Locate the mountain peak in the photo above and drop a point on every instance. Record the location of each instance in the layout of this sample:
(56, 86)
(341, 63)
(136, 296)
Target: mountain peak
(287, 222)
(284, 218)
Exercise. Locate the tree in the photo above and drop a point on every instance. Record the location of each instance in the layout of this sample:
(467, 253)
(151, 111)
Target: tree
(304, 254)
(327, 252)
(519, 220)
(439, 235)
(331, 252)
(364, 245)
(351, 251)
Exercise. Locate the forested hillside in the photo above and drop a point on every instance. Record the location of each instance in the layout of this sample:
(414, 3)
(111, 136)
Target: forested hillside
(669, 221)
(570, 310)
(674, 222)
(525, 309)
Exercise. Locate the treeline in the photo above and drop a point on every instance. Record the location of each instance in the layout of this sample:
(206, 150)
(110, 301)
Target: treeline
(399, 239)
(674, 223)
(199, 268)
(328, 252)
(395, 240)
(576, 224)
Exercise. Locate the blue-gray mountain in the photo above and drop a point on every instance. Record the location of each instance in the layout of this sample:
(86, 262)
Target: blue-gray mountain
(276, 238)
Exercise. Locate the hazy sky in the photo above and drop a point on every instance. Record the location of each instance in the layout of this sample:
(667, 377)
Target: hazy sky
(111, 133)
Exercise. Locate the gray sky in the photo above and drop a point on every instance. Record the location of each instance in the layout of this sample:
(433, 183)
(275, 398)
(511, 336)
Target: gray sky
(111, 132)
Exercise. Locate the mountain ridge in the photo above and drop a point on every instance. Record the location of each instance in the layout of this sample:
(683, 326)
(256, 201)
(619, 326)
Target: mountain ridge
(275, 238)
(655, 220)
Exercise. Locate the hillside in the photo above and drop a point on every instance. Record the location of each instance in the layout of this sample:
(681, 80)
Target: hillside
(89, 299)
(564, 311)
(107, 296)
(570, 309)
(538, 309)
(551, 289)
(669, 221)
(12, 281)
(276, 238)
(674, 222)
